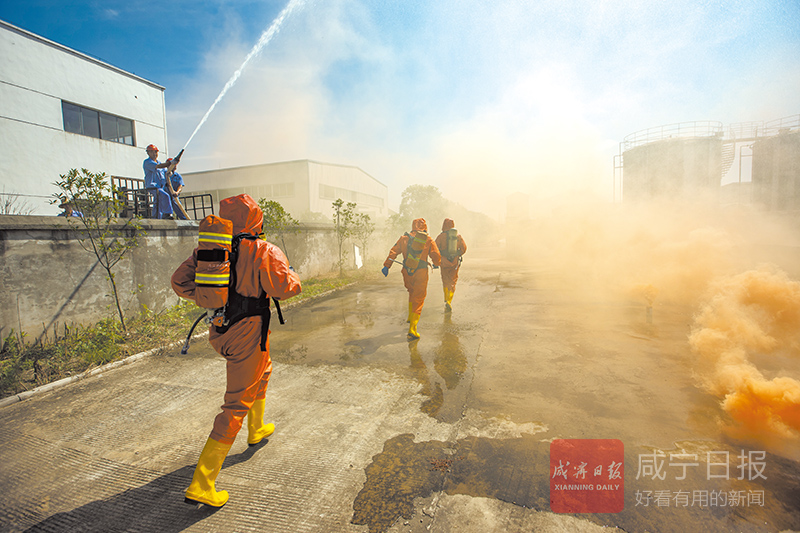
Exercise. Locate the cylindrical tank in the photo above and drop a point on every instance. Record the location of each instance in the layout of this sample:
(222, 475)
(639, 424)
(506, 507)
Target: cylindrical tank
(776, 171)
(672, 168)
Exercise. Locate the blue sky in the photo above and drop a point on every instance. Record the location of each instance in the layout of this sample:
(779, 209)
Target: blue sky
(481, 99)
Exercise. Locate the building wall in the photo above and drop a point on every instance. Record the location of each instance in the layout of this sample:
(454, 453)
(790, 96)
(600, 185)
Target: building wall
(328, 182)
(35, 76)
(314, 186)
(673, 168)
(285, 182)
(776, 172)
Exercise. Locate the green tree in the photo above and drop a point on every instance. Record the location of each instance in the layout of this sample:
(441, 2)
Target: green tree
(343, 218)
(277, 222)
(362, 230)
(98, 228)
(420, 201)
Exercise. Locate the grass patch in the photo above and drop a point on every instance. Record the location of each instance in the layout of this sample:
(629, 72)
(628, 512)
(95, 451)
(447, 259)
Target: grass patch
(65, 351)
(25, 365)
(316, 286)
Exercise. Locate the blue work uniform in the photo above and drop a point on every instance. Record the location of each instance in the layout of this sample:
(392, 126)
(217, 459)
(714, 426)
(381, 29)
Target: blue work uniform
(155, 179)
(177, 181)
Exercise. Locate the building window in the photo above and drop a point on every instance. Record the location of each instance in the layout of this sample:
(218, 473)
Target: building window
(326, 192)
(283, 190)
(97, 124)
(275, 190)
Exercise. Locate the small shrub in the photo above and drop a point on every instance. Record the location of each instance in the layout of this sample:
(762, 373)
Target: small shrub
(55, 355)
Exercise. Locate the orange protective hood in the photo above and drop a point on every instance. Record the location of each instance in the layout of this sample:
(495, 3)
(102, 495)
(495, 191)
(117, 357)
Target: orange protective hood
(448, 224)
(419, 224)
(244, 212)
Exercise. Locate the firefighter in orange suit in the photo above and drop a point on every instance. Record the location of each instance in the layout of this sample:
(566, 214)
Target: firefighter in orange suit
(260, 268)
(452, 246)
(417, 247)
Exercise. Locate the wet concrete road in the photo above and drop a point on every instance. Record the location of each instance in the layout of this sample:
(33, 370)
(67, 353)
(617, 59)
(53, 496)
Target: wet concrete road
(448, 433)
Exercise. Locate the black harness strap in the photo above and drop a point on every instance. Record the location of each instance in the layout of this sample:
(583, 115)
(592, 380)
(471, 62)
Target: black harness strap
(265, 328)
(278, 309)
(214, 256)
(239, 306)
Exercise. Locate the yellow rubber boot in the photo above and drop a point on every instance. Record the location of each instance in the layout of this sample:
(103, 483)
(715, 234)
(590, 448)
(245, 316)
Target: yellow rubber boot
(412, 328)
(410, 307)
(448, 297)
(257, 430)
(202, 489)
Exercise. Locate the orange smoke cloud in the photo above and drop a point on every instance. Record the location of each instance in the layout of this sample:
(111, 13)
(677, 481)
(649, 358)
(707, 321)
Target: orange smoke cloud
(646, 292)
(752, 315)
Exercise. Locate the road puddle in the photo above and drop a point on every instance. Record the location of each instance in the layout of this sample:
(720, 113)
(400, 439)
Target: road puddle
(475, 466)
(517, 471)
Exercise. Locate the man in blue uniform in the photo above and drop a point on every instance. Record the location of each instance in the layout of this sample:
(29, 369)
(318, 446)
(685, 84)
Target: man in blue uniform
(155, 179)
(177, 185)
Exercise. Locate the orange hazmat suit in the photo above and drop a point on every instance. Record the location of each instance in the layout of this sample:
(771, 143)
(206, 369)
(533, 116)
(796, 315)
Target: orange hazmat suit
(450, 264)
(260, 267)
(416, 282)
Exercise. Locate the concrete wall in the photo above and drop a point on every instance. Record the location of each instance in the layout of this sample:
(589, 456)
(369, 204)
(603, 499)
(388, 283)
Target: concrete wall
(47, 277)
(776, 172)
(35, 76)
(672, 168)
(313, 251)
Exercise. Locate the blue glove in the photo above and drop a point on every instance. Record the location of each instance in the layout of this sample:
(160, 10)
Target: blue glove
(385, 271)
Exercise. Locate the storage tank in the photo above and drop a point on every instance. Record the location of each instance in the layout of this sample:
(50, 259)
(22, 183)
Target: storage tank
(776, 166)
(672, 161)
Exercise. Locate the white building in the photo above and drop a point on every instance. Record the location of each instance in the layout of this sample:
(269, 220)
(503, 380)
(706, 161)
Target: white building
(61, 109)
(301, 187)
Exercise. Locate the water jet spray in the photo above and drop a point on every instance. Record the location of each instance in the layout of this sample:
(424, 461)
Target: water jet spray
(266, 37)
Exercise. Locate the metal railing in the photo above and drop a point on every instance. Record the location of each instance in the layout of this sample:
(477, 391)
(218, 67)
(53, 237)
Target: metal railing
(138, 200)
(745, 130)
(782, 125)
(128, 183)
(198, 206)
(704, 128)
